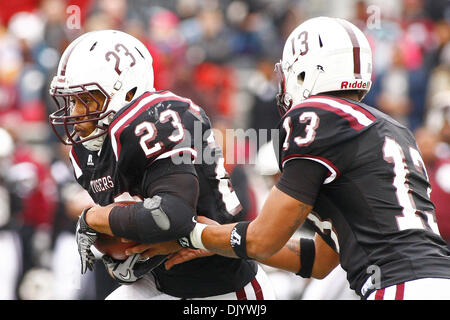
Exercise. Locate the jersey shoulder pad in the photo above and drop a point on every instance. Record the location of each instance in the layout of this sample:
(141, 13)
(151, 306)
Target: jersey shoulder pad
(76, 152)
(331, 115)
(316, 126)
(151, 128)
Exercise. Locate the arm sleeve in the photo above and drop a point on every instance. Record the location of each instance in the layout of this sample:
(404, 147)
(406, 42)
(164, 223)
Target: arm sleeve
(179, 180)
(302, 179)
(177, 186)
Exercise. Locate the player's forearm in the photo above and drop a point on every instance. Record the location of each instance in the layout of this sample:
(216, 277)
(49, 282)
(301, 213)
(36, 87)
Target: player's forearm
(98, 219)
(326, 259)
(216, 238)
(288, 258)
(260, 239)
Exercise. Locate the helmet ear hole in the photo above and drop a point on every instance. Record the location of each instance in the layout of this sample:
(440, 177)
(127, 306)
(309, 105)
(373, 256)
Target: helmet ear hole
(130, 94)
(301, 78)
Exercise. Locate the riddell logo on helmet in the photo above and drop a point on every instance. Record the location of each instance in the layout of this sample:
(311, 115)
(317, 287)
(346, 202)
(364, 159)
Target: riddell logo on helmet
(355, 84)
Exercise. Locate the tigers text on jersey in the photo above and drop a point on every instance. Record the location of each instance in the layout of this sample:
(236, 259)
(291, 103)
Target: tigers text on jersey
(374, 206)
(160, 125)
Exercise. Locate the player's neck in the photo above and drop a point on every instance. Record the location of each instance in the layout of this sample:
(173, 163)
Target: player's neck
(344, 94)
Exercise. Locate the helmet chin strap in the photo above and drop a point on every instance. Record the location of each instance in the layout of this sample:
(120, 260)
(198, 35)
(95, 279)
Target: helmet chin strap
(95, 144)
(316, 73)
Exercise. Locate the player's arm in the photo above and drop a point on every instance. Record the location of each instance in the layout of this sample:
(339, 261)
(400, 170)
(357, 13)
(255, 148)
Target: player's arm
(281, 215)
(166, 214)
(285, 209)
(304, 257)
(317, 264)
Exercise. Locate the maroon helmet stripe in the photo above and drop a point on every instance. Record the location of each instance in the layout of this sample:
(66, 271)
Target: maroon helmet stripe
(356, 49)
(64, 66)
(66, 59)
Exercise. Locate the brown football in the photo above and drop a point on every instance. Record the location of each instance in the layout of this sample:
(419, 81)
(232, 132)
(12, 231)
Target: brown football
(114, 246)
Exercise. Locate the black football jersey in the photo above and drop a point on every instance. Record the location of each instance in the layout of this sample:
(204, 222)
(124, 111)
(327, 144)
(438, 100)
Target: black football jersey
(373, 207)
(161, 125)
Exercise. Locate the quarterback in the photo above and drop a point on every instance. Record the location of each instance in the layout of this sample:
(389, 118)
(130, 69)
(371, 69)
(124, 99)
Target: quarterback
(124, 136)
(349, 169)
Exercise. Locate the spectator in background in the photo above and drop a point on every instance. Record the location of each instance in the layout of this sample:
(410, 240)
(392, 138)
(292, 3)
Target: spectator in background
(434, 143)
(438, 120)
(30, 173)
(263, 88)
(28, 29)
(116, 10)
(65, 261)
(166, 45)
(439, 54)
(56, 33)
(10, 65)
(207, 76)
(10, 205)
(401, 91)
(32, 182)
(438, 65)
(438, 169)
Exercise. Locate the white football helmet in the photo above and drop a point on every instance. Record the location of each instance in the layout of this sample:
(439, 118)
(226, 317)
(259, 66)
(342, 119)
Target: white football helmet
(110, 61)
(322, 55)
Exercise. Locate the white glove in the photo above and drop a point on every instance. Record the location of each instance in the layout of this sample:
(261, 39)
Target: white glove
(132, 269)
(85, 237)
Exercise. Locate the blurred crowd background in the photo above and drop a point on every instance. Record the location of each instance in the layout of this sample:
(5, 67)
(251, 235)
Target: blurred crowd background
(221, 55)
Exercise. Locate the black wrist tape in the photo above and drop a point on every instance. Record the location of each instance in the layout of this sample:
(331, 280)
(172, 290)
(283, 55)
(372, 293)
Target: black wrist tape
(238, 239)
(307, 256)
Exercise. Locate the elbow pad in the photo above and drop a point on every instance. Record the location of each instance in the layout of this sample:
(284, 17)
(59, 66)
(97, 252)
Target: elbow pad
(161, 218)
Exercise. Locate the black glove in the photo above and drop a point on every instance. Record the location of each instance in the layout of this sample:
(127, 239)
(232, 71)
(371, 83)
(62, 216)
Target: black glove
(132, 269)
(85, 237)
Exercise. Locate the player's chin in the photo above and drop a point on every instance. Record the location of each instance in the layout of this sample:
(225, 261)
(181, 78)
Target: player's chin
(81, 132)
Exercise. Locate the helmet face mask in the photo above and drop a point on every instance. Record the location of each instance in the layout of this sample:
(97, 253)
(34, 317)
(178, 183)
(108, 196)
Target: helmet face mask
(110, 62)
(65, 118)
(323, 55)
(284, 100)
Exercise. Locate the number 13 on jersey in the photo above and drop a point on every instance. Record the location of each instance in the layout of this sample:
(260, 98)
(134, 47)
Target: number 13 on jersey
(412, 218)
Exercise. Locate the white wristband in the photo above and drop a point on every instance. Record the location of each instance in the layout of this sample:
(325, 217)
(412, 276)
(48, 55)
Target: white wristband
(196, 235)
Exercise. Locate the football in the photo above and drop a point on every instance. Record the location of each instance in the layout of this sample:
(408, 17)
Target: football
(114, 246)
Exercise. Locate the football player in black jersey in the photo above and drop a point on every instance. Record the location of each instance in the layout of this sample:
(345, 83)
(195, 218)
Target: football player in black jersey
(130, 141)
(352, 171)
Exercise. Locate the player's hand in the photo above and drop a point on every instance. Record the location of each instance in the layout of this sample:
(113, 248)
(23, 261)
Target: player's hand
(206, 220)
(122, 271)
(188, 241)
(148, 250)
(85, 237)
(184, 255)
(132, 269)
